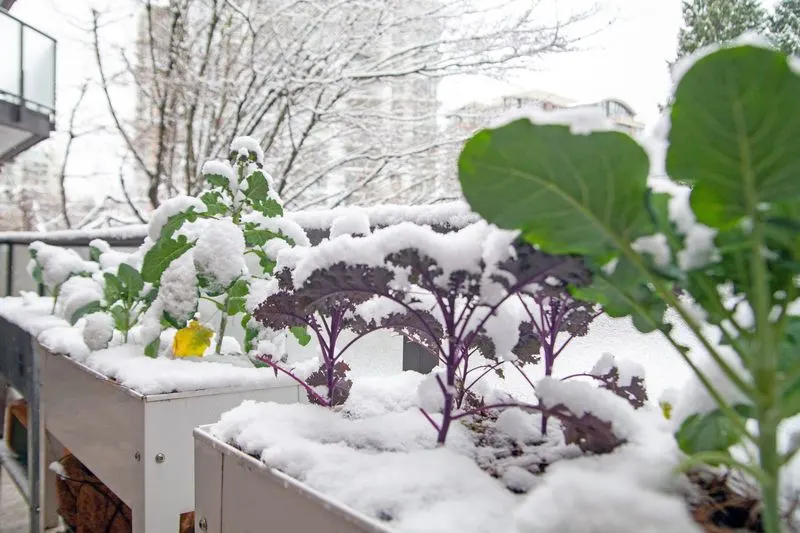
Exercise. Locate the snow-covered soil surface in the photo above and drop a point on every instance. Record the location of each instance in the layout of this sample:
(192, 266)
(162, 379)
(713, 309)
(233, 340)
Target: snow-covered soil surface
(128, 365)
(379, 455)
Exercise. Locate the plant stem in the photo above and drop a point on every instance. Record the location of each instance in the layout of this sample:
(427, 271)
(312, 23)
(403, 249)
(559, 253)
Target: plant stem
(223, 323)
(765, 374)
(127, 324)
(770, 464)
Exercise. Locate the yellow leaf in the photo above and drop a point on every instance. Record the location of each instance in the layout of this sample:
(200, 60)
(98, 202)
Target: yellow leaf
(192, 340)
(666, 409)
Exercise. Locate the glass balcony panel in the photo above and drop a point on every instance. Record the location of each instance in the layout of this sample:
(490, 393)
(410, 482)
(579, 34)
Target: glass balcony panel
(39, 65)
(9, 64)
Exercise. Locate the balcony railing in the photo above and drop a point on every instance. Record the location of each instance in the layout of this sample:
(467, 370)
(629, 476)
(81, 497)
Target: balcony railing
(27, 67)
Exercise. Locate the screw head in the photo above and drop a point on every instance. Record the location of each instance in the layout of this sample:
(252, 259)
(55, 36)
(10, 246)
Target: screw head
(203, 524)
(160, 458)
(137, 456)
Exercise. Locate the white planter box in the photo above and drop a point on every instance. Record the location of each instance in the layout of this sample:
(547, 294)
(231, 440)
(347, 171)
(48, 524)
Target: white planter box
(235, 493)
(140, 446)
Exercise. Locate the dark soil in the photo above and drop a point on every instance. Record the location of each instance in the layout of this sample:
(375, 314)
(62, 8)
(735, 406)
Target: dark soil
(723, 507)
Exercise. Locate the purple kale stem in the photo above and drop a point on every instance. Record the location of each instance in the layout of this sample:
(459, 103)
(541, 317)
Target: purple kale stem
(429, 419)
(489, 369)
(525, 376)
(553, 322)
(499, 406)
(405, 305)
(291, 374)
(330, 361)
(447, 412)
(464, 358)
(569, 339)
(514, 289)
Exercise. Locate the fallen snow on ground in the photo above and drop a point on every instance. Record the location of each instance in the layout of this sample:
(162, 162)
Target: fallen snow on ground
(378, 455)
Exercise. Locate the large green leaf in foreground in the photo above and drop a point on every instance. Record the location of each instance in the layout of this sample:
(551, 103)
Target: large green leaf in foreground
(735, 133)
(567, 193)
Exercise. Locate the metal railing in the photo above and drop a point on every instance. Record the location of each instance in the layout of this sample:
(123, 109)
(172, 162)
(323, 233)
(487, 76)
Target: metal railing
(28, 66)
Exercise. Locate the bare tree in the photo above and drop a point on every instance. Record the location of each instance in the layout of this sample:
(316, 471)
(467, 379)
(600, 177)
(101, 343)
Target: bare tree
(341, 94)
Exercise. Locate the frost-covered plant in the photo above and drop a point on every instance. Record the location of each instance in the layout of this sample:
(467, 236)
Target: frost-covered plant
(327, 319)
(732, 241)
(123, 299)
(444, 291)
(556, 319)
(52, 266)
(199, 245)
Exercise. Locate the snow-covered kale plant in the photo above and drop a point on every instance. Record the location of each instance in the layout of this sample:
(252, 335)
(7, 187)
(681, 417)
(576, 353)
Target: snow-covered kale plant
(199, 245)
(730, 241)
(327, 319)
(52, 266)
(107, 291)
(444, 291)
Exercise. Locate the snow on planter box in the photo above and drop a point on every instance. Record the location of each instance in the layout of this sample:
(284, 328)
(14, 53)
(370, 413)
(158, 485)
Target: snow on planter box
(375, 466)
(129, 417)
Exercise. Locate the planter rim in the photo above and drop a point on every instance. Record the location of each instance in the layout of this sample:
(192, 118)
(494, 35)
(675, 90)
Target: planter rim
(203, 433)
(155, 397)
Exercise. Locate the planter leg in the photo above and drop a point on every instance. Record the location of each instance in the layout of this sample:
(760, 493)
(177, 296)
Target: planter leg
(3, 400)
(53, 451)
(156, 519)
(37, 468)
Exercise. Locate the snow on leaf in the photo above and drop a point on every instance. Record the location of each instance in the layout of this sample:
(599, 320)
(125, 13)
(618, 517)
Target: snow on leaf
(219, 253)
(98, 330)
(625, 379)
(170, 208)
(159, 257)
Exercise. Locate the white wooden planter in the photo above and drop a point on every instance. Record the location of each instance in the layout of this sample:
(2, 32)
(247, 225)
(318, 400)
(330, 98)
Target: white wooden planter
(235, 493)
(140, 446)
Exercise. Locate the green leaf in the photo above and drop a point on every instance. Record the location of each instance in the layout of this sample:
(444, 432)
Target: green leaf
(218, 180)
(624, 293)
(735, 135)
(159, 257)
(236, 306)
(121, 318)
(240, 288)
(259, 237)
(87, 309)
(257, 187)
(258, 363)
(151, 350)
(150, 296)
(176, 221)
(36, 272)
(131, 279)
(269, 207)
(112, 288)
(175, 322)
(789, 368)
(94, 254)
(568, 193)
(708, 432)
(300, 334)
(214, 205)
(267, 264)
